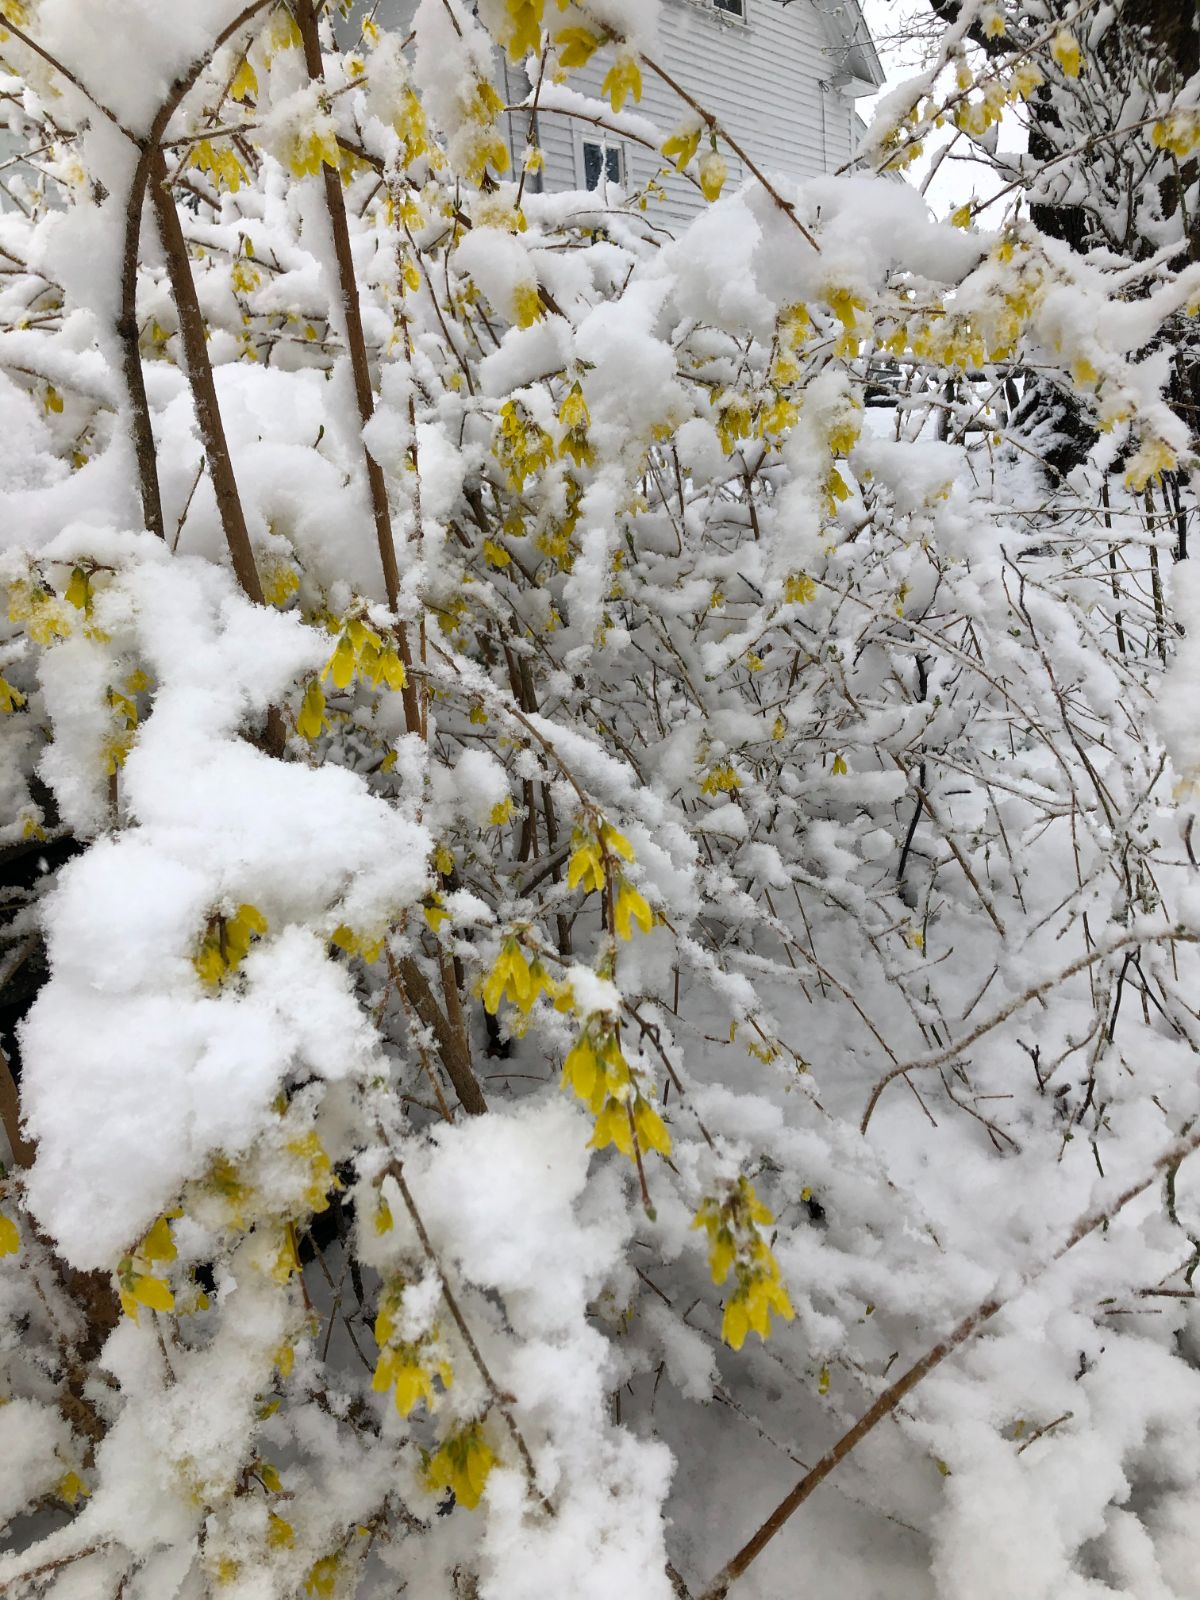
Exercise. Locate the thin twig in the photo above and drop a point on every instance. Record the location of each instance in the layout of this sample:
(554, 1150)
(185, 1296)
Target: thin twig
(891, 1397)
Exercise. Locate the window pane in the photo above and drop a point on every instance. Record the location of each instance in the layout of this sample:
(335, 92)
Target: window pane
(737, 7)
(601, 161)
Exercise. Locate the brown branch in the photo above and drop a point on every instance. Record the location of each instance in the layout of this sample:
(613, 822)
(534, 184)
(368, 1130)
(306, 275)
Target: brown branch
(891, 1397)
(127, 322)
(450, 1040)
(203, 385)
(356, 345)
(194, 339)
(59, 1562)
(10, 1116)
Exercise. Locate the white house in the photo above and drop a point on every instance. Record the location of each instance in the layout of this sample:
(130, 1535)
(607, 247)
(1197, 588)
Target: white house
(781, 75)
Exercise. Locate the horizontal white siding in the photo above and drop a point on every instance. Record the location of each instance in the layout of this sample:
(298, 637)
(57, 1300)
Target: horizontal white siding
(762, 79)
(766, 79)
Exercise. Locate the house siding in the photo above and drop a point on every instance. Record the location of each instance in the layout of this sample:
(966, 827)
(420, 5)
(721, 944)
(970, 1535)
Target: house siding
(762, 79)
(766, 78)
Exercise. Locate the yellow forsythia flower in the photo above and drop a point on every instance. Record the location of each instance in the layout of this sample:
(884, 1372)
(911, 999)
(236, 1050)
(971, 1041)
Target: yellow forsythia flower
(1064, 47)
(732, 1223)
(367, 945)
(158, 1244)
(1179, 133)
(462, 1464)
(306, 153)
(576, 46)
(846, 305)
(227, 943)
(713, 172)
(10, 699)
(723, 779)
(245, 81)
(527, 305)
(624, 78)
(10, 1239)
(323, 1576)
(524, 32)
(1151, 459)
(312, 722)
(598, 1073)
(682, 146)
(1025, 80)
(630, 906)
(575, 419)
(71, 1489)
(515, 979)
(145, 1290)
(222, 164)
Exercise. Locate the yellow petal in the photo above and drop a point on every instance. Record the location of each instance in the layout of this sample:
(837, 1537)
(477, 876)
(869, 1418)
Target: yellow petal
(735, 1324)
(158, 1244)
(651, 1129)
(153, 1292)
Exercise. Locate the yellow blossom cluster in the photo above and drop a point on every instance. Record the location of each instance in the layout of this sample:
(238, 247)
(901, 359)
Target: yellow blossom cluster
(38, 609)
(219, 162)
(412, 129)
(138, 1284)
(682, 145)
(1178, 133)
(226, 944)
(118, 741)
(723, 778)
(713, 172)
(522, 448)
(1149, 461)
(361, 651)
(517, 980)
(622, 80)
(306, 151)
(733, 1223)
(574, 419)
(598, 1073)
(735, 419)
(406, 1367)
(522, 34)
(479, 142)
(462, 1463)
(592, 865)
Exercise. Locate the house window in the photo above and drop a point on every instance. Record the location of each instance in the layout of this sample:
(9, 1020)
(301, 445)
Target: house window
(601, 162)
(735, 8)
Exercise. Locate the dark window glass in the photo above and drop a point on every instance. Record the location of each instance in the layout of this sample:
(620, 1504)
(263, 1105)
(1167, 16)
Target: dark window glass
(601, 160)
(736, 8)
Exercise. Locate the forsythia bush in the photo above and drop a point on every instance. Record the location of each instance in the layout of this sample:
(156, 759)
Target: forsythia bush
(615, 885)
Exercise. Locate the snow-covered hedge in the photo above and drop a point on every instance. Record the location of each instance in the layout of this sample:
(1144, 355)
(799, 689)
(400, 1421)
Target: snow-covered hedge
(620, 896)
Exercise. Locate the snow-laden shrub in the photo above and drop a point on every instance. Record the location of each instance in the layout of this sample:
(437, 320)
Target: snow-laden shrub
(616, 888)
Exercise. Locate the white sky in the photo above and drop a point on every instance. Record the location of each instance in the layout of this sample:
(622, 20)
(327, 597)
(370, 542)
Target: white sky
(957, 179)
